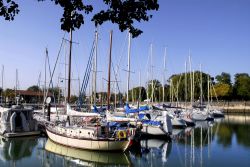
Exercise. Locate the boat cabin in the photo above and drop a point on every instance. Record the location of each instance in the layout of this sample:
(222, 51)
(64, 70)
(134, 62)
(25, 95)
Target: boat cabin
(17, 121)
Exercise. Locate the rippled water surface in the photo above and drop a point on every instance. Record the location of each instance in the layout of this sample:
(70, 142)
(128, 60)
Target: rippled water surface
(224, 142)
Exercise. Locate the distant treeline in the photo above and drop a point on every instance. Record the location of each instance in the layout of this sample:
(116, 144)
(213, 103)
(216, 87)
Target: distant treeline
(179, 87)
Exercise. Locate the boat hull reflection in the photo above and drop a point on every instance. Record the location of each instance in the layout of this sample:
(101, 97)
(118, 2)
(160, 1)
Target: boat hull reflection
(151, 152)
(87, 157)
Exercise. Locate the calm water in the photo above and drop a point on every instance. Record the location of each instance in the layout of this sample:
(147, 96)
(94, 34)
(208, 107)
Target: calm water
(225, 142)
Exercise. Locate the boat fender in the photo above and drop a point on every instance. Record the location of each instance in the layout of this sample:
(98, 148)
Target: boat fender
(12, 122)
(121, 134)
(24, 122)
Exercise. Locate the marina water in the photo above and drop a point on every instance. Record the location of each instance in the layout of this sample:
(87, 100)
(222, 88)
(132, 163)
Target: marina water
(223, 142)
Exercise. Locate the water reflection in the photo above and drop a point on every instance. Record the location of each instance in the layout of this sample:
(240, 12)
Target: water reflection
(218, 143)
(213, 143)
(237, 126)
(151, 152)
(16, 149)
(86, 157)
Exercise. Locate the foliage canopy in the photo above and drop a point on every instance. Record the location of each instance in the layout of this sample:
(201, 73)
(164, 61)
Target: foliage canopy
(124, 13)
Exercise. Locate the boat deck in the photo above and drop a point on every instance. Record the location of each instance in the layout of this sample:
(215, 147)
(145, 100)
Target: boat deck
(20, 134)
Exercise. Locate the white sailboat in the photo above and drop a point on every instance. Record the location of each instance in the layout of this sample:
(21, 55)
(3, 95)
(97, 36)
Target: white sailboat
(97, 137)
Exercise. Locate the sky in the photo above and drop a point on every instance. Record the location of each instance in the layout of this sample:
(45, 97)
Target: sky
(216, 32)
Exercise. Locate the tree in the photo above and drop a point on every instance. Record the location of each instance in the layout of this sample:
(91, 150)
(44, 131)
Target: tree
(34, 88)
(154, 91)
(8, 9)
(121, 12)
(10, 94)
(178, 85)
(224, 78)
(56, 92)
(222, 91)
(73, 99)
(242, 86)
(166, 93)
(137, 93)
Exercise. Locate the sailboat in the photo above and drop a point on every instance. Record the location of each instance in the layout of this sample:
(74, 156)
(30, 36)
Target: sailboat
(93, 136)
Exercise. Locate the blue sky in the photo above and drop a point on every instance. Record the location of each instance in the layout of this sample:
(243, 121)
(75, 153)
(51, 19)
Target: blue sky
(217, 32)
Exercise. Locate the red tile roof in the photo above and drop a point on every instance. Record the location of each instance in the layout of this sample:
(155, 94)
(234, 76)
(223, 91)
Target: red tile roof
(31, 93)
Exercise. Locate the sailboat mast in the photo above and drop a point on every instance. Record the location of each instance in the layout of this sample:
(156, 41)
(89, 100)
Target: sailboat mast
(185, 85)
(45, 75)
(208, 89)
(95, 65)
(191, 80)
(140, 86)
(152, 83)
(129, 50)
(2, 84)
(193, 86)
(109, 69)
(147, 86)
(117, 68)
(201, 86)
(164, 70)
(69, 71)
(16, 87)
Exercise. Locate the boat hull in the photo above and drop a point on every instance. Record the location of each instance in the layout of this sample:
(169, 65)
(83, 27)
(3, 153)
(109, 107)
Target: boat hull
(89, 144)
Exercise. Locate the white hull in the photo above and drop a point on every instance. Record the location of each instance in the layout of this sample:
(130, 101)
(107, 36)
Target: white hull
(199, 115)
(89, 144)
(178, 122)
(153, 130)
(217, 113)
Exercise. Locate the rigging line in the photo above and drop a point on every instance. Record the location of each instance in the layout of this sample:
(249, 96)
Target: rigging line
(88, 64)
(115, 74)
(88, 70)
(77, 69)
(120, 58)
(58, 55)
(39, 80)
(86, 75)
(51, 77)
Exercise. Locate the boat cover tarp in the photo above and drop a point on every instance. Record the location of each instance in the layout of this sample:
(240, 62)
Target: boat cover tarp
(141, 116)
(129, 110)
(95, 110)
(154, 123)
(143, 108)
(115, 124)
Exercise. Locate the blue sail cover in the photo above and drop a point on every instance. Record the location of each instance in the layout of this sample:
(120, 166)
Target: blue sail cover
(141, 116)
(153, 123)
(95, 110)
(143, 108)
(114, 124)
(129, 110)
